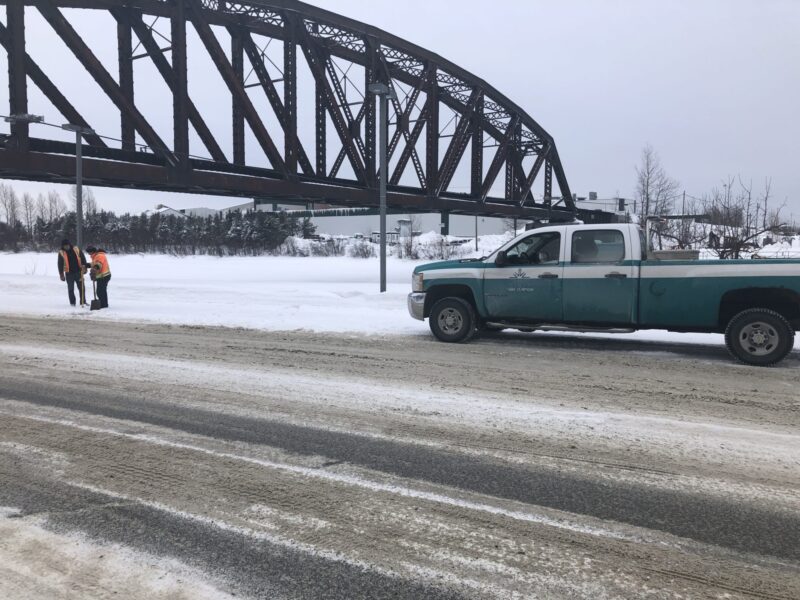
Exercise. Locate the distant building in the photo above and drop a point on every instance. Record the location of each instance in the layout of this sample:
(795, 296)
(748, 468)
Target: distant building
(165, 211)
(460, 225)
(200, 212)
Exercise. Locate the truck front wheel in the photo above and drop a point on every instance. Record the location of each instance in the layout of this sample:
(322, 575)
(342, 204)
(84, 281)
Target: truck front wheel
(452, 320)
(759, 337)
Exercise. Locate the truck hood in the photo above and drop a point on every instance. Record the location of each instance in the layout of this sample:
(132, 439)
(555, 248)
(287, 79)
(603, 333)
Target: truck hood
(451, 264)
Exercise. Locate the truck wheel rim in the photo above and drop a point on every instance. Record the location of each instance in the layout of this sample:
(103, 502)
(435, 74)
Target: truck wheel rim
(758, 339)
(450, 321)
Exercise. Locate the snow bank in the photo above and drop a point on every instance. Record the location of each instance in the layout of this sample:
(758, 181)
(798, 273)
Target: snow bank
(787, 248)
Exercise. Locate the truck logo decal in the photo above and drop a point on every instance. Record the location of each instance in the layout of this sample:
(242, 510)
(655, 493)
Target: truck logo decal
(520, 274)
(520, 279)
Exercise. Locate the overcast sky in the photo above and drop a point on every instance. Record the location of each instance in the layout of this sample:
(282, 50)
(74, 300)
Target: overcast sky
(712, 85)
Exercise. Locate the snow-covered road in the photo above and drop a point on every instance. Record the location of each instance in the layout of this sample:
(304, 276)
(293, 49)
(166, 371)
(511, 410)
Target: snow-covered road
(267, 464)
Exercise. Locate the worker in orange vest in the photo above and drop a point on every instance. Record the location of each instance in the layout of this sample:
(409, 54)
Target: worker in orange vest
(72, 268)
(100, 273)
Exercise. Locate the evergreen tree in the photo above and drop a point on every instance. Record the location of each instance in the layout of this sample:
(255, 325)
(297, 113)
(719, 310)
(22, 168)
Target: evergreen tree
(235, 233)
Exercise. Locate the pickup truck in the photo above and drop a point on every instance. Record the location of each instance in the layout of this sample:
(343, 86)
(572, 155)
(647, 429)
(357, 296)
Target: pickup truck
(574, 277)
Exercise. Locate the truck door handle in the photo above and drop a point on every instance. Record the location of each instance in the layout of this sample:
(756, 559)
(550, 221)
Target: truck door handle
(548, 276)
(616, 275)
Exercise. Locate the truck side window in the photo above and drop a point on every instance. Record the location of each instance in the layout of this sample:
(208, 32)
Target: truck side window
(598, 247)
(539, 249)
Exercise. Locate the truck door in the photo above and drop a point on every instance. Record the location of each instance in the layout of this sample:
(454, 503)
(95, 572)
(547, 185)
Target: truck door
(600, 283)
(527, 286)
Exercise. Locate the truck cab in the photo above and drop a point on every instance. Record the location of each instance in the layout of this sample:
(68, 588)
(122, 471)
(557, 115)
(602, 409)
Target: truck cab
(602, 278)
(566, 274)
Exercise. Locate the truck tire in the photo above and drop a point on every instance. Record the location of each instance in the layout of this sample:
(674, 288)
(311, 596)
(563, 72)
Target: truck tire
(759, 337)
(452, 320)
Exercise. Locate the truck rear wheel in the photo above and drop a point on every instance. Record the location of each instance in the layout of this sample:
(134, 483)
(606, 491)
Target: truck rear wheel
(759, 337)
(452, 320)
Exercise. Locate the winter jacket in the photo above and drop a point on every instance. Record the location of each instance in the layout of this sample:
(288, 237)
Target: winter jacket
(100, 267)
(71, 261)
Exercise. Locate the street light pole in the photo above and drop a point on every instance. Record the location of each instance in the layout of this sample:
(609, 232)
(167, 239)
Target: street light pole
(80, 131)
(384, 93)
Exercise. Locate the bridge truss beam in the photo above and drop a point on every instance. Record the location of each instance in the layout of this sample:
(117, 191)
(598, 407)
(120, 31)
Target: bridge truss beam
(427, 151)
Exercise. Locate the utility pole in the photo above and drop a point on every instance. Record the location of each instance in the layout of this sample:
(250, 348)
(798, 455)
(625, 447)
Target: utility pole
(476, 233)
(79, 131)
(384, 93)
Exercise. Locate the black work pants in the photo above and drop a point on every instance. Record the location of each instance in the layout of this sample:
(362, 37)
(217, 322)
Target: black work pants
(73, 280)
(102, 290)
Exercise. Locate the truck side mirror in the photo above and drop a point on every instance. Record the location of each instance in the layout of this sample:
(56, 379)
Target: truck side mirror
(502, 258)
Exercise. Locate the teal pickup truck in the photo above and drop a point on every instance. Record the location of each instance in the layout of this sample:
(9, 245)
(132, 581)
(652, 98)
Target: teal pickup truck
(601, 278)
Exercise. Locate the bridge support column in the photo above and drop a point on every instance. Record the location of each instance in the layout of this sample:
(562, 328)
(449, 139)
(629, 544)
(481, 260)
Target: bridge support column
(290, 144)
(125, 58)
(432, 135)
(17, 81)
(445, 226)
(321, 132)
(180, 91)
(237, 60)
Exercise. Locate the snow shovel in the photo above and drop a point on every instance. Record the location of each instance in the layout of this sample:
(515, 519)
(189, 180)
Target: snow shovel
(95, 303)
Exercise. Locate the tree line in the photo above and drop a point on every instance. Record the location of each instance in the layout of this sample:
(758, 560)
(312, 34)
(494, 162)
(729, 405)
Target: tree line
(736, 219)
(40, 224)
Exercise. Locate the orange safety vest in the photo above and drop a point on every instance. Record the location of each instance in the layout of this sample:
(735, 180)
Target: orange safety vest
(66, 258)
(100, 265)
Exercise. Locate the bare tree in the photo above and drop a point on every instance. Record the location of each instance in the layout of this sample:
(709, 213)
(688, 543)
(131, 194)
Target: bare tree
(29, 213)
(55, 206)
(738, 217)
(655, 190)
(687, 233)
(9, 203)
(767, 192)
(41, 207)
(88, 200)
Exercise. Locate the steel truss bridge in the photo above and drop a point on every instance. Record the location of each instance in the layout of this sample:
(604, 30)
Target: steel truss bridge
(443, 121)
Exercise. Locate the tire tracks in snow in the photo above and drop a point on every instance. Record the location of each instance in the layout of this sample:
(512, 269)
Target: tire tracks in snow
(323, 447)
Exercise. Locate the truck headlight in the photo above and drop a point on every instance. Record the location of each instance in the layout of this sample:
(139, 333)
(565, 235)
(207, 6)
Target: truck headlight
(417, 284)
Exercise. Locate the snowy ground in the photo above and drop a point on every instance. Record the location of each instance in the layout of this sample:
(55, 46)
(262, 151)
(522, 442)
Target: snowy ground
(321, 294)
(275, 293)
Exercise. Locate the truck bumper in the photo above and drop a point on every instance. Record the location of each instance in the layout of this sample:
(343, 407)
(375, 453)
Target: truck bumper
(416, 305)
